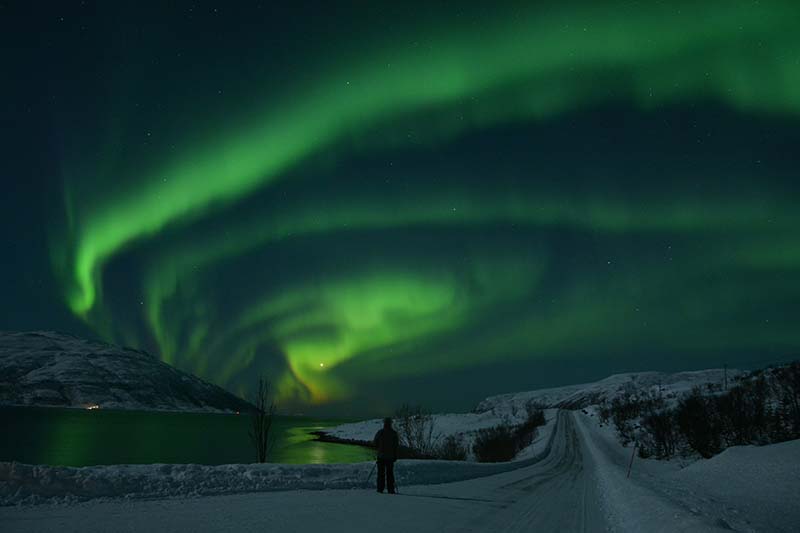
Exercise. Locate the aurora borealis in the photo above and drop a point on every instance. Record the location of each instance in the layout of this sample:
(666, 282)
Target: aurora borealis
(379, 204)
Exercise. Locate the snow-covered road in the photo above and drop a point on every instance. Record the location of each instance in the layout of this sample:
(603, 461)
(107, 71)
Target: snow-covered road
(573, 488)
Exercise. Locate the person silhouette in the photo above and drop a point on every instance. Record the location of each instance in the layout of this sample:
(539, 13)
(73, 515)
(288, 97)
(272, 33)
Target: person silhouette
(386, 444)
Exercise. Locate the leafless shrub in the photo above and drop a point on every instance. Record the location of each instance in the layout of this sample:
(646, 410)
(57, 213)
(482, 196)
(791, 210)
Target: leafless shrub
(452, 448)
(261, 421)
(658, 436)
(626, 408)
(786, 386)
(415, 427)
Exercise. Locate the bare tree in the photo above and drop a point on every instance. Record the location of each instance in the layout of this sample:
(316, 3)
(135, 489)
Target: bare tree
(415, 427)
(261, 421)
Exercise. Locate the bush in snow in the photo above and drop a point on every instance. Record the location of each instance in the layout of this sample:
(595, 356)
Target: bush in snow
(658, 436)
(743, 413)
(698, 422)
(452, 448)
(626, 408)
(762, 408)
(786, 389)
(495, 444)
(525, 432)
(604, 411)
(535, 413)
(503, 442)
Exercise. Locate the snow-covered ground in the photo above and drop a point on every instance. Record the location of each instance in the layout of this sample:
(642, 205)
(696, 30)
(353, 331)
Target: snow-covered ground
(573, 478)
(45, 368)
(580, 484)
(749, 486)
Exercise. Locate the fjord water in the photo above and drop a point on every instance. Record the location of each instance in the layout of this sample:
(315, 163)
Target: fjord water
(78, 437)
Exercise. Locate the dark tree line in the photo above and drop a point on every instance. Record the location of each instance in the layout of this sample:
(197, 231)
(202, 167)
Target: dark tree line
(762, 408)
(503, 442)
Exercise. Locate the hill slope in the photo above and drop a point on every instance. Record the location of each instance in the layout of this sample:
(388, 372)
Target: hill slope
(54, 369)
(670, 385)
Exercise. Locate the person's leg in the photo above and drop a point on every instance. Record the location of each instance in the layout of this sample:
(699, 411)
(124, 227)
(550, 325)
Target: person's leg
(381, 474)
(390, 476)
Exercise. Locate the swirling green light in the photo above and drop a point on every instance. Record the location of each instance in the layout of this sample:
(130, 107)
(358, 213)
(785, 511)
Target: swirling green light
(513, 67)
(526, 64)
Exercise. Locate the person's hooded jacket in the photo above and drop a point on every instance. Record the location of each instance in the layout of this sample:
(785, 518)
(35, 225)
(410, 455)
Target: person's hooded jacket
(387, 443)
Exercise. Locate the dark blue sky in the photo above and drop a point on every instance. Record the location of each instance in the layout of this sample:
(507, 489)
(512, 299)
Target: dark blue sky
(374, 205)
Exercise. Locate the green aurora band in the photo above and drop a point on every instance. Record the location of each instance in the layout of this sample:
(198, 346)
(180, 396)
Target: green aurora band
(346, 325)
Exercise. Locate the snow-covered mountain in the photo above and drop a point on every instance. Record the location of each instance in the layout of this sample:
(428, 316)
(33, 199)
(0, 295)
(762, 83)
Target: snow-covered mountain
(54, 369)
(586, 394)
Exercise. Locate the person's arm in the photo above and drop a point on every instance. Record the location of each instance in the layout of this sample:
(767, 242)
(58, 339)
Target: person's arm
(377, 438)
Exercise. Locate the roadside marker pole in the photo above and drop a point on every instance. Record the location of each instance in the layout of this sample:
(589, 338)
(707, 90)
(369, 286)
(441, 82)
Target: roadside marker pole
(633, 452)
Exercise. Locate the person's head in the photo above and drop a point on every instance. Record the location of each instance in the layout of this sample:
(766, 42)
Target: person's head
(387, 422)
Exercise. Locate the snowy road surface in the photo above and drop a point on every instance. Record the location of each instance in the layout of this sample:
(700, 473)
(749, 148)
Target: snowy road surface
(562, 492)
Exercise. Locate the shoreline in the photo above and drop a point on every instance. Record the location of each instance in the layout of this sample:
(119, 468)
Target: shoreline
(321, 436)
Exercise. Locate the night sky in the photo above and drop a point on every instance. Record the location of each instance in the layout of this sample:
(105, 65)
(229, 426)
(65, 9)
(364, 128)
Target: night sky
(429, 203)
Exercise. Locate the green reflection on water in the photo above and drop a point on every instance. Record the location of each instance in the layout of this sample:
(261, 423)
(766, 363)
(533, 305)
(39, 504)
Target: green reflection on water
(78, 437)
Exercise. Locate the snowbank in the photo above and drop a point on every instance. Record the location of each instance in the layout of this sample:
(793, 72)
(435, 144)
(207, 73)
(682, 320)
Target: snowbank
(30, 484)
(21, 483)
(757, 482)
